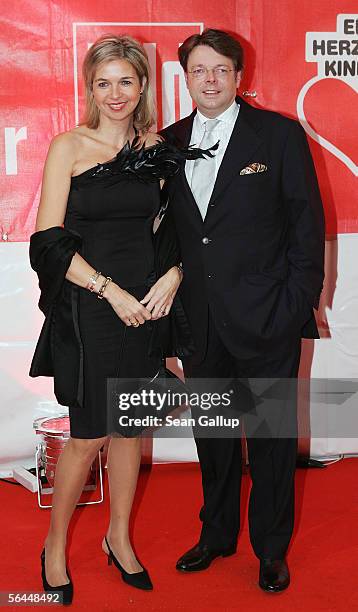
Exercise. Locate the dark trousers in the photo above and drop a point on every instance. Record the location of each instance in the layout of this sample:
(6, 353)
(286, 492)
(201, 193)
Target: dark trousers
(272, 459)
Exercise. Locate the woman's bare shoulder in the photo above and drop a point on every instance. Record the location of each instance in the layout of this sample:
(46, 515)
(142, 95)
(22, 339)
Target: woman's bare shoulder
(75, 137)
(67, 143)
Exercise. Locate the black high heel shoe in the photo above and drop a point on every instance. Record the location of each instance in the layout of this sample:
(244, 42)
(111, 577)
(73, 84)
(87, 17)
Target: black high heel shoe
(66, 590)
(140, 580)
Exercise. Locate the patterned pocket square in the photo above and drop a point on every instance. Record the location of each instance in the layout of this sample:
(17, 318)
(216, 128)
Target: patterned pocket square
(253, 168)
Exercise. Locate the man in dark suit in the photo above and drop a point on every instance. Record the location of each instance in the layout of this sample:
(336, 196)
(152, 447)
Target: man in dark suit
(251, 232)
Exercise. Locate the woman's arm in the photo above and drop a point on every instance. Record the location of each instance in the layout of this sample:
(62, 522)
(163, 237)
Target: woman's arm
(54, 195)
(56, 182)
(52, 209)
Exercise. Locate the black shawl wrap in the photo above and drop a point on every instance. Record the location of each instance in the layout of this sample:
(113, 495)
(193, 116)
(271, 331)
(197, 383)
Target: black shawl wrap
(59, 350)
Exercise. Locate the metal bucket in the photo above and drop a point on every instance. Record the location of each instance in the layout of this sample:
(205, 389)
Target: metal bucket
(54, 433)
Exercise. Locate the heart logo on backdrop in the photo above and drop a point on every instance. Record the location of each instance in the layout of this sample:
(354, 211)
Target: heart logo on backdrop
(334, 133)
(334, 53)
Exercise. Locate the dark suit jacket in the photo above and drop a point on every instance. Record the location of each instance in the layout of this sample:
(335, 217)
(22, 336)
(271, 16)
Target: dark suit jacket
(261, 270)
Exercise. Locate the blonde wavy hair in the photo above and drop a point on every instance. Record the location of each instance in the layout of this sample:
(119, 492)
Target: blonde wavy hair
(109, 48)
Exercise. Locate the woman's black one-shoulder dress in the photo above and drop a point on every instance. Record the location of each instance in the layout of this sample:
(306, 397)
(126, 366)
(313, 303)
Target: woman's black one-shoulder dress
(109, 221)
(114, 215)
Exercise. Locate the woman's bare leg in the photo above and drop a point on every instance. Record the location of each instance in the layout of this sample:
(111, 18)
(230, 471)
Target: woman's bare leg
(123, 466)
(71, 474)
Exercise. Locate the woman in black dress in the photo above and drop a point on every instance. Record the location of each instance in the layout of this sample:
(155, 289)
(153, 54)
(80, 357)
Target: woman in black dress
(94, 240)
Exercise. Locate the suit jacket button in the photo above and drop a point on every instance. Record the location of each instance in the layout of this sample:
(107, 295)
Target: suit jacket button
(205, 240)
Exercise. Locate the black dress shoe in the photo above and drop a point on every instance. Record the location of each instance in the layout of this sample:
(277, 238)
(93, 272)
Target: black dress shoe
(65, 590)
(274, 575)
(139, 580)
(200, 557)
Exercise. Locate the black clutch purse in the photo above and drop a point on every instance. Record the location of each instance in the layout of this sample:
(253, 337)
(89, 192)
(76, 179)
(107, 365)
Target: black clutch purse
(139, 406)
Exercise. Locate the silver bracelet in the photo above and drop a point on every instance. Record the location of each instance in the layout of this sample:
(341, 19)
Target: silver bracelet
(93, 280)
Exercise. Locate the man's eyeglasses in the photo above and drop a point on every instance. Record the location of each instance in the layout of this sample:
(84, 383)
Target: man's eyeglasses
(220, 72)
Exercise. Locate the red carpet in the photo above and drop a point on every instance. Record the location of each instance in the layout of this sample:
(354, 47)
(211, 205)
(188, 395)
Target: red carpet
(323, 557)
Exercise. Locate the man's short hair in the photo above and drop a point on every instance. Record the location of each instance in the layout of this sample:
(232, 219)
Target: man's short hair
(220, 41)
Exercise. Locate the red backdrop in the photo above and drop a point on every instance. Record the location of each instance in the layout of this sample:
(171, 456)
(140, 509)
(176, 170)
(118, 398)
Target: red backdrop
(42, 46)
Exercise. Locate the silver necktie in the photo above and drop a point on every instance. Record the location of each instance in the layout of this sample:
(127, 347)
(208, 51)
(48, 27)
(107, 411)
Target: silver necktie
(203, 177)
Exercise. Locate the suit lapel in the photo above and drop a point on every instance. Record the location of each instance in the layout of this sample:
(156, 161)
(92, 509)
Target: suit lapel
(184, 135)
(190, 197)
(242, 145)
(244, 141)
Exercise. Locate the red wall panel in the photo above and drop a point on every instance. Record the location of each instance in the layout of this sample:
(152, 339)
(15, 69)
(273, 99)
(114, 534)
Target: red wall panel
(42, 46)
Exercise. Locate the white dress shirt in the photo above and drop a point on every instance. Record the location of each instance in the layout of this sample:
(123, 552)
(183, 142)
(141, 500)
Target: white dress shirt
(223, 132)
